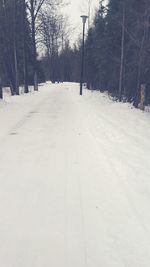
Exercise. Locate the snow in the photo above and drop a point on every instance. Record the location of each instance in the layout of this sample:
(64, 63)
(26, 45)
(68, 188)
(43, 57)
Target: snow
(74, 180)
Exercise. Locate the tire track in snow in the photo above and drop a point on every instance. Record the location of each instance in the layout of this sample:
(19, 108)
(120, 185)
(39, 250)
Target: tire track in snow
(74, 210)
(22, 121)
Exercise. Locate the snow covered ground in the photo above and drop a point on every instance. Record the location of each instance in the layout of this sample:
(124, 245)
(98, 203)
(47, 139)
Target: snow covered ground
(74, 180)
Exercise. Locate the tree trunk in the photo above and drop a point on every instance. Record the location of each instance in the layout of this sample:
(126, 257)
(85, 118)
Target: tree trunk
(34, 47)
(26, 88)
(89, 13)
(7, 56)
(122, 53)
(35, 81)
(142, 97)
(16, 70)
(10, 76)
(15, 53)
(141, 58)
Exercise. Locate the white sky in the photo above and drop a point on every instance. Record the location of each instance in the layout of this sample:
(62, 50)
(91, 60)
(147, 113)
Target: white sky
(74, 10)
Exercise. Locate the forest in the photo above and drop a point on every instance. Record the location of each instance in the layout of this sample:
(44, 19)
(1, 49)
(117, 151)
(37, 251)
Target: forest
(26, 28)
(117, 48)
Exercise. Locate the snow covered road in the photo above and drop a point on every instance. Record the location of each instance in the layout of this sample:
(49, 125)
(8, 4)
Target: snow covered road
(74, 181)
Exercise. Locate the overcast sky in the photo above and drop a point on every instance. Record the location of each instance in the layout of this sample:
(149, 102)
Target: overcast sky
(74, 10)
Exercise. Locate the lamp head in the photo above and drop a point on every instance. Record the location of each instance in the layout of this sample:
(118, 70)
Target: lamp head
(84, 18)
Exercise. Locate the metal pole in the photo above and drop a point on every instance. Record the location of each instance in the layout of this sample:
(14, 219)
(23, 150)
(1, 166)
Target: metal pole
(82, 63)
(1, 89)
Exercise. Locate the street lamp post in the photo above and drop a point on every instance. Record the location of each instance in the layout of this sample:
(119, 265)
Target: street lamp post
(84, 19)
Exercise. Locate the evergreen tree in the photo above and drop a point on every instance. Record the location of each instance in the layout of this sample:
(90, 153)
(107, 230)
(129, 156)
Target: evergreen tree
(117, 49)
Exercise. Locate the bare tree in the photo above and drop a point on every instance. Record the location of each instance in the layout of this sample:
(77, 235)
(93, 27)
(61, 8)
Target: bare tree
(34, 8)
(53, 34)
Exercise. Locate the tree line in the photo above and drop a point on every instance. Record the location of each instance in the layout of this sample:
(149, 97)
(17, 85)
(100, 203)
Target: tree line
(117, 47)
(21, 27)
(117, 52)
